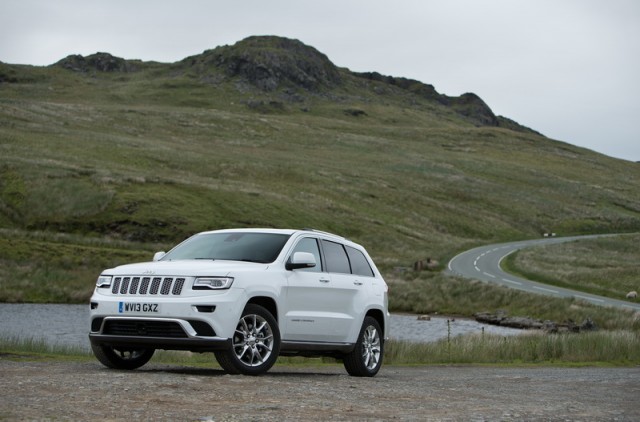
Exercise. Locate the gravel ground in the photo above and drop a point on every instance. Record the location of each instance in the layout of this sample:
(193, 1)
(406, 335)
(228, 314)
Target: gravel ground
(55, 390)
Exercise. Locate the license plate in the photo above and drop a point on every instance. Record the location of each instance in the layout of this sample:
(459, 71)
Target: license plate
(126, 307)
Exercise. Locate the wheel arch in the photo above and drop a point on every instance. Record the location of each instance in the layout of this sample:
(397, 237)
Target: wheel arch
(266, 302)
(378, 315)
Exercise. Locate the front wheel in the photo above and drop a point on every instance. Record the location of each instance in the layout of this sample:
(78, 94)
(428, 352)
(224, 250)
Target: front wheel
(365, 359)
(255, 343)
(122, 358)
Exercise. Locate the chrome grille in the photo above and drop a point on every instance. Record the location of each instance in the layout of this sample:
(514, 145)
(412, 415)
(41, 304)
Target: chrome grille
(147, 286)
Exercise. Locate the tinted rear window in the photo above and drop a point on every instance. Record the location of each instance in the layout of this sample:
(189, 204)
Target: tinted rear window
(359, 264)
(336, 257)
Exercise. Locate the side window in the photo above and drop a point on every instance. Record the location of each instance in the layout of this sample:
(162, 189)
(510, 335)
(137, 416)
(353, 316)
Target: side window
(337, 261)
(359, 264)
(310, 245)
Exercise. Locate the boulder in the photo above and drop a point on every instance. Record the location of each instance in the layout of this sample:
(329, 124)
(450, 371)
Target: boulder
(490, 318)
(524, 323)
(428, 264)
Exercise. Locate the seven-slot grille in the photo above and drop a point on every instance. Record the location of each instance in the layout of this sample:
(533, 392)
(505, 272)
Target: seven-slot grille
(147, 285)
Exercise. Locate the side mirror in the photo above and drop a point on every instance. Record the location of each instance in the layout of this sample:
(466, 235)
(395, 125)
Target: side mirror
(301, 260)
(158, 255)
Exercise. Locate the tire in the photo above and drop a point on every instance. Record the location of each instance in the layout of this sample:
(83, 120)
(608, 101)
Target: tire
(255, 343)
(365, 359)
(122, 358)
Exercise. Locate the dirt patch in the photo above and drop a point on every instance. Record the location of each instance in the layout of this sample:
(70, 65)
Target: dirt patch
(87, 391)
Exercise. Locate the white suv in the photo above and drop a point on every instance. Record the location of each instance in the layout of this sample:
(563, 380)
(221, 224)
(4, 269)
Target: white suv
(248, 295)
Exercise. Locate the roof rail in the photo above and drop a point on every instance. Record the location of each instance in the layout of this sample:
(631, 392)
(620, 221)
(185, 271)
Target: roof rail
(309, 229)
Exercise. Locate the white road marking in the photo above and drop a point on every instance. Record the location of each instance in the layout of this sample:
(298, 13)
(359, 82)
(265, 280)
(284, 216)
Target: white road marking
(504, 256)
(456, 257)
(512, 281)
(546, 290)
(489, 275)
(589, 298)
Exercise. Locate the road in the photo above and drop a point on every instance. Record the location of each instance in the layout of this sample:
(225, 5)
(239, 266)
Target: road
(483, 264)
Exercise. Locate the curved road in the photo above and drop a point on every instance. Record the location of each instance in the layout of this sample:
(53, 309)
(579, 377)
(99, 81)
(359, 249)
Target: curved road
(483, 264)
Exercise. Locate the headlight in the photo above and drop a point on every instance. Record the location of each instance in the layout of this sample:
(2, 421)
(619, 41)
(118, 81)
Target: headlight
(214, 283)
(104, 281)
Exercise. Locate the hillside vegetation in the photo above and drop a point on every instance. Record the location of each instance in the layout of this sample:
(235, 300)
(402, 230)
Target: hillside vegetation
(104, 160)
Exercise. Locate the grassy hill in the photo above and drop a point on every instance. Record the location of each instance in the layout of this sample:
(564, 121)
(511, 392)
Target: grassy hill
(103, 160)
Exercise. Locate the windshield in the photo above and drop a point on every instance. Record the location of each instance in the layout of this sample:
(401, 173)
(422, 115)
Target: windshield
(240, 246)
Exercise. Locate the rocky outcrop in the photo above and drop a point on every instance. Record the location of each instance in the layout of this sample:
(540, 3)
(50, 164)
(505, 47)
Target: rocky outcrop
(274, 63)
(502, 319)
(468, 105)
(507, 123)
(474, 109)
(421, 89)
(101, 62)
(270, 63)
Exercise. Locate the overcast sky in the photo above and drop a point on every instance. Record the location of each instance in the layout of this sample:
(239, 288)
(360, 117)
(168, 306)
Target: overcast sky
(567, 68)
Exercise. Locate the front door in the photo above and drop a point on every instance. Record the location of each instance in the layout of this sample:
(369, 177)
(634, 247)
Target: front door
(319, 304)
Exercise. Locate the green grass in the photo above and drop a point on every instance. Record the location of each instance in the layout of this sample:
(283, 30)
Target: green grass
(610, 347)
(605, 266)
(30, 348)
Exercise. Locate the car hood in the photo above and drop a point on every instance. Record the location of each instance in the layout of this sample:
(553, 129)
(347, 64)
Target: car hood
(185, 268)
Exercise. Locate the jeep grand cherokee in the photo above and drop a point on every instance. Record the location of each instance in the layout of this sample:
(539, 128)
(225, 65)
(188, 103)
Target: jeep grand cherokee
(248, 296)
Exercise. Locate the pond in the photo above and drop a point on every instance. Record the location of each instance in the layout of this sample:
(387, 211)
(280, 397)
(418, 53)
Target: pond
(68, 325)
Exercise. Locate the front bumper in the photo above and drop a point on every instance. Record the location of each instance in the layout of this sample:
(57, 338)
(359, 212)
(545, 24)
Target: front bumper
(199, 324)
(156, 333)
(143, 342)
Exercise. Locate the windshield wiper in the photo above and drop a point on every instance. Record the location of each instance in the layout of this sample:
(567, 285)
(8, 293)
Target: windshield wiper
(255, 261)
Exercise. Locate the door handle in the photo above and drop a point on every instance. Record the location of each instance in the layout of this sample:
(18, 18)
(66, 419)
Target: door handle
(357, 283)
(324, 280)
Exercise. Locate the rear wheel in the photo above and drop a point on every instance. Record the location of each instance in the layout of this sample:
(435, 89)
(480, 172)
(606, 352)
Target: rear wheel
(365, 359)
(255, 343)
(122, 358)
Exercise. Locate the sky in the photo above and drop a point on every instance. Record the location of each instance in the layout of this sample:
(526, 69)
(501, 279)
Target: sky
(569, 69)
